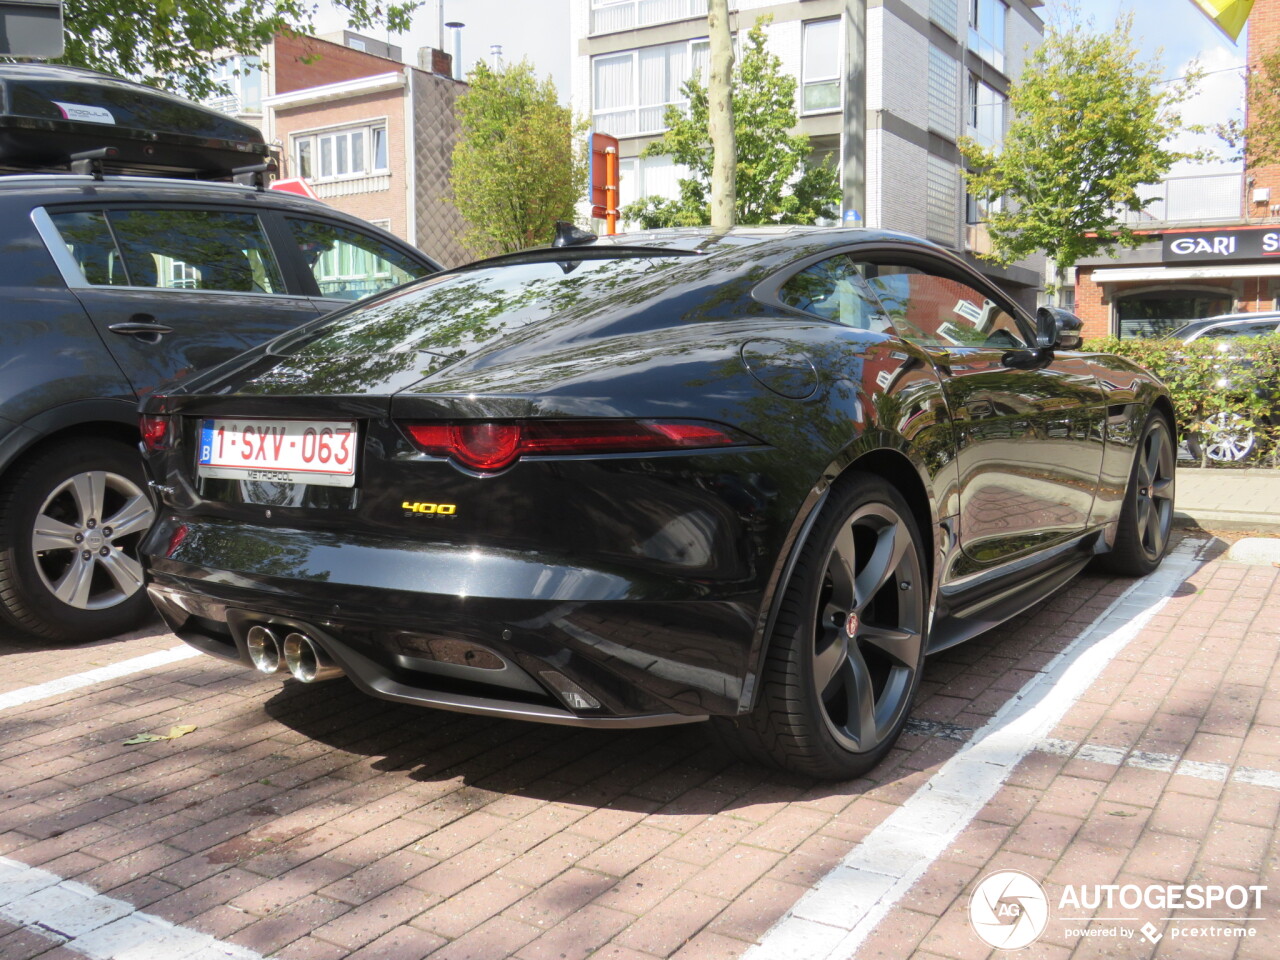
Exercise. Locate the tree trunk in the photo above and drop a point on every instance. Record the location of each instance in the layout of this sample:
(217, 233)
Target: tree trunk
(720, 117)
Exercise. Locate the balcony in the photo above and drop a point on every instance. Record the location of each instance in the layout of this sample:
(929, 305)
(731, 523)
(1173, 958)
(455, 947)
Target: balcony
(610, 16)
(1204, 198)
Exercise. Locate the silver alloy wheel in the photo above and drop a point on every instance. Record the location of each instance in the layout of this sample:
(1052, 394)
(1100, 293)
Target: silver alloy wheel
(868, 628)
(85, 539)
(1228, 441)
(1155, 479)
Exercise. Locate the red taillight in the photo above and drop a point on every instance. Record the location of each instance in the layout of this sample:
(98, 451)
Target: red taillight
(155, 432)
(487, 445)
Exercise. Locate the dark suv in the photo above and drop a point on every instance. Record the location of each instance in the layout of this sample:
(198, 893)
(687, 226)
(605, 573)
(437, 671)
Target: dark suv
(111, 285)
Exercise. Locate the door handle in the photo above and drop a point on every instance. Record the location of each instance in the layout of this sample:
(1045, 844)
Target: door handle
(141, 325)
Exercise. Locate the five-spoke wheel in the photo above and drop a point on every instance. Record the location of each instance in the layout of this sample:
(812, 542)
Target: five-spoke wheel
(1146, 516)
(867, 630)
(849, 641)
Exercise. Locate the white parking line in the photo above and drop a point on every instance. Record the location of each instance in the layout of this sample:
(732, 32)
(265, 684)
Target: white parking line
(41, 691)
(832, 919)
(1161, 762)
(74, 916)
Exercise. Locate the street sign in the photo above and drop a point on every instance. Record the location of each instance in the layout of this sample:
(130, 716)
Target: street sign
(294, 185)
(31, 28)
(604, 178)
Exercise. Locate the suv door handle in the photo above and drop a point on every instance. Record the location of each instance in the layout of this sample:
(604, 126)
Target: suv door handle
(138, 327)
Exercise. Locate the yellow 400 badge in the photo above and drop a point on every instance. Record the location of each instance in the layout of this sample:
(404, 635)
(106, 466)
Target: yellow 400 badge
(429, 509)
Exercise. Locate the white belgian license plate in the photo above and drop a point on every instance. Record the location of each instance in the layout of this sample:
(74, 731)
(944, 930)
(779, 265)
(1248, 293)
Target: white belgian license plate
(321, 452)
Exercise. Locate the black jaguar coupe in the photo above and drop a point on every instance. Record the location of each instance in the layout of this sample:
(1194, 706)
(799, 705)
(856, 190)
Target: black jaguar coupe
(754, 477)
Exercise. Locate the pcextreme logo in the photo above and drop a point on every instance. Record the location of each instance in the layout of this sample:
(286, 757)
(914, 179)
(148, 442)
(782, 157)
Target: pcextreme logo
(421, 509)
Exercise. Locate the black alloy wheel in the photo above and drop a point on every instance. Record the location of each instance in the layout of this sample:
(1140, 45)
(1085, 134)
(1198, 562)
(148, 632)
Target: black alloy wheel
(848, 646)
(867, 629)
(1146, 517)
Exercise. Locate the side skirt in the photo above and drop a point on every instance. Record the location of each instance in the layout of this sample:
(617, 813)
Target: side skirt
(976, 604)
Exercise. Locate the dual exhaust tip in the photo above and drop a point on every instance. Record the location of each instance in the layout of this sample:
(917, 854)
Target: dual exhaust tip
(298, 653)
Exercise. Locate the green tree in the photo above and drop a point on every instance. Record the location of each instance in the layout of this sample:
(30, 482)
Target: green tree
(519, 164)
(1091, 121)
(169, 44)
(775, 181)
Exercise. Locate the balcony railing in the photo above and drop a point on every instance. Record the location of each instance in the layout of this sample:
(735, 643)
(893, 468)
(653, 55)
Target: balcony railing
(1203, 198)
(627, 14)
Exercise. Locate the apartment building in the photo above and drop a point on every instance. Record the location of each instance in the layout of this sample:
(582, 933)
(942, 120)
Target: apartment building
(927, 72)
(373, 136)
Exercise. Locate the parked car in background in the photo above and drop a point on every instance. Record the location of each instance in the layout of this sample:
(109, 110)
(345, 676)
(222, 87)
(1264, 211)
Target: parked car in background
(1229, 437)
(1228, 326)
(112, 283)
(755, 477)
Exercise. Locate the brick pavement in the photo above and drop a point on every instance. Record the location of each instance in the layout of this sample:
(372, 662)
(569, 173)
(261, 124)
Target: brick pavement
(312, 822)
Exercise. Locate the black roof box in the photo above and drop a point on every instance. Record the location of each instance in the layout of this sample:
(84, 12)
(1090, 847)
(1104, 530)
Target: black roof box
(50, 113)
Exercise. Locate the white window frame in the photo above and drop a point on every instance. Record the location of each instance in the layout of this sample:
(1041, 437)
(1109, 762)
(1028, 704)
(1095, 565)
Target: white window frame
(336, 142)
(807, 81)
(631, 125)
(990, 134)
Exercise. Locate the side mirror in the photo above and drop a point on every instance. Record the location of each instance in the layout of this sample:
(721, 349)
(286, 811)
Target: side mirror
(1057, 329)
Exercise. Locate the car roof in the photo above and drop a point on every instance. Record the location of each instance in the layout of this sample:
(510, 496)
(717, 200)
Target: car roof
(769, 245)
(38, 189)
(84, 187)
(1247, 320)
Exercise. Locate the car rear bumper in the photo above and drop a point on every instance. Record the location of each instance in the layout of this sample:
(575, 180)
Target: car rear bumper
(412, 626)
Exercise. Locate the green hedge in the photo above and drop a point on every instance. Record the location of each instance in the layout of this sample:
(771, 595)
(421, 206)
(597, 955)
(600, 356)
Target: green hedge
(1193, 372)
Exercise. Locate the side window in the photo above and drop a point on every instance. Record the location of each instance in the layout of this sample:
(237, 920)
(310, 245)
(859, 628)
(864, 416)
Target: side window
(936, 311)
(196, 250)
(834, 290)
(349, 265)
(89, 241)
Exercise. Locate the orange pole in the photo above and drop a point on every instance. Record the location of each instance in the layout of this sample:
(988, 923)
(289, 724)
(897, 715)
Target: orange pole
(611, 191)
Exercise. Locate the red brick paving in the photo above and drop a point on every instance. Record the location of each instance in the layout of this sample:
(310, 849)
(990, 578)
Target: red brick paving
(312, 822)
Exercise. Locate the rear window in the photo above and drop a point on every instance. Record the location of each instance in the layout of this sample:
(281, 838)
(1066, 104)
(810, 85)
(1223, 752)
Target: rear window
(450, 313)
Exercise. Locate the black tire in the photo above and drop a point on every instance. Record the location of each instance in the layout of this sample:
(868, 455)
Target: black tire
(1146, 516)
(53, 585)
(846, 652)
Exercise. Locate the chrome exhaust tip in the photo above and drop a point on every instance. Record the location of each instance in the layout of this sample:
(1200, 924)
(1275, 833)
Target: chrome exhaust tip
(307, 661)
(264, 649)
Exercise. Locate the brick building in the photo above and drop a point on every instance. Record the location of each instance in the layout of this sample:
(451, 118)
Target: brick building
(1213, 248)
(372, 135)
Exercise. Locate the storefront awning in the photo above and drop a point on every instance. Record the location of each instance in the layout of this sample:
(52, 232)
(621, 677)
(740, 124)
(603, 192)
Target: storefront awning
(1208, 271)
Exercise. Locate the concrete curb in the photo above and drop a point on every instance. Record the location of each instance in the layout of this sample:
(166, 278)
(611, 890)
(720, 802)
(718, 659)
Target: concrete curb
(1231, 521)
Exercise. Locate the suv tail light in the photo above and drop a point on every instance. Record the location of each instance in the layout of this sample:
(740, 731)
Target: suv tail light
(155, 432)
(493, 445)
